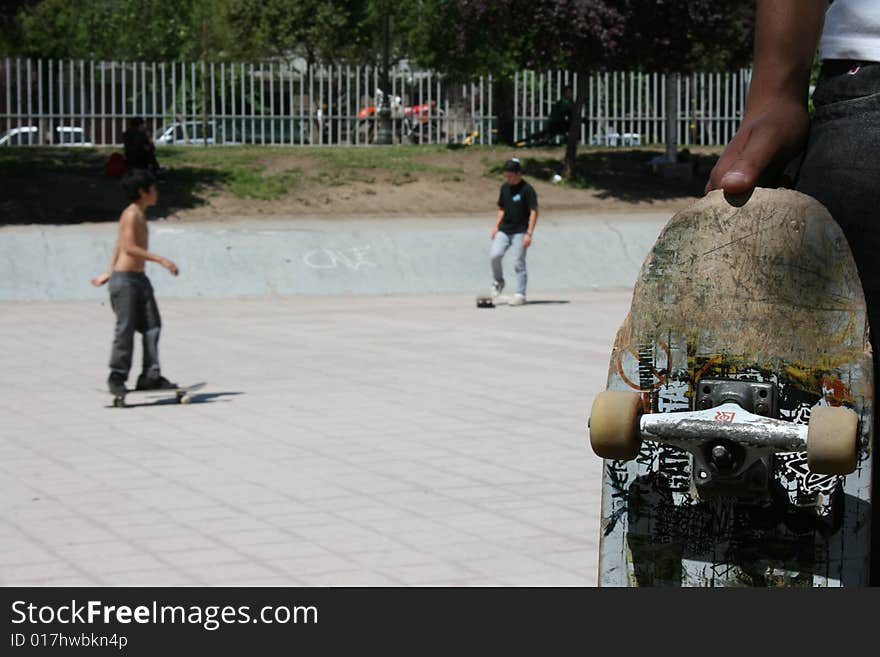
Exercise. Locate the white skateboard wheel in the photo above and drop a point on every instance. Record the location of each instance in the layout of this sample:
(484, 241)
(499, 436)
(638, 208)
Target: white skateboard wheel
(832, 440)
(614, 425)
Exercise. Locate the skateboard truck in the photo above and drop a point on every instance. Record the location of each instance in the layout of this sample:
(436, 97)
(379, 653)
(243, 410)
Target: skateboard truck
(732, 436)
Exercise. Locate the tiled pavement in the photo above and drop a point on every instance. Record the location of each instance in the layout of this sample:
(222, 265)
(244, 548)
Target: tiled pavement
(339, 441)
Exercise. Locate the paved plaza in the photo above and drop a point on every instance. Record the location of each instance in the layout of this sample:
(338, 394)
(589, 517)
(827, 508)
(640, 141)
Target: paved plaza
(339, 441)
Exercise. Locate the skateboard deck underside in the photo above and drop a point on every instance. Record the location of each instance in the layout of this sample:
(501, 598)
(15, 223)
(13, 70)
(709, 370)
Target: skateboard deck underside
(765, 292)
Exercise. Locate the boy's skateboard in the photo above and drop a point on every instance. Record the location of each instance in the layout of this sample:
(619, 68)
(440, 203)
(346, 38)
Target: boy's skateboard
(736, 426)
(181, 393)
(488, 301)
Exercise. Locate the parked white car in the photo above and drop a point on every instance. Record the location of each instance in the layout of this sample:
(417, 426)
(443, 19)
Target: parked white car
(23, 136)
(71, 136)
(175, 133)
(614, 138)
(29, 135)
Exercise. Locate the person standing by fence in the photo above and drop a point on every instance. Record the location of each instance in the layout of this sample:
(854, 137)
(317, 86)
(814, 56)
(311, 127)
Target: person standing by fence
(514, 226)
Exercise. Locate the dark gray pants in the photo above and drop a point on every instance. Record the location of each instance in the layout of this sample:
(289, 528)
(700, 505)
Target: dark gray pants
(131, 297)
(841, 168)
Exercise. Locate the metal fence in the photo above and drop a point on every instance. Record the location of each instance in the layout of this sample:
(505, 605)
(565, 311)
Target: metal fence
(91, 102)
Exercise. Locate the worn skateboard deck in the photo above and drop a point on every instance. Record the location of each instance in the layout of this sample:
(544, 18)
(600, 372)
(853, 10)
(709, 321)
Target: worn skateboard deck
(764, 290)
(181, 393)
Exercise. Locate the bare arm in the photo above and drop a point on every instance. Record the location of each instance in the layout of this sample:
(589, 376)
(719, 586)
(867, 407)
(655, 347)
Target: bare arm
(98, 281)
(533, 220)
(497, 222)
(776, 122)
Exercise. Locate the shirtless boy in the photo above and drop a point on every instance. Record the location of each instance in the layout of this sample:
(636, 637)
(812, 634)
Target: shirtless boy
(131, 294)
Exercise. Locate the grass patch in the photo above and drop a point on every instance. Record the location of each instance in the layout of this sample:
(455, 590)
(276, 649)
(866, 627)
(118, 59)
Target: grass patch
(388, 158)
(238, 169)
(252, 183)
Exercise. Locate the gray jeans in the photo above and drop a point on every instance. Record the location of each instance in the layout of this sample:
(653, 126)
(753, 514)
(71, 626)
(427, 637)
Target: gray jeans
(500, 244)
(841, 168)
(131, 297)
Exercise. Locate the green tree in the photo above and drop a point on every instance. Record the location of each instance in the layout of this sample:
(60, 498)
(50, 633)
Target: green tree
(318, 30)
(152, 30)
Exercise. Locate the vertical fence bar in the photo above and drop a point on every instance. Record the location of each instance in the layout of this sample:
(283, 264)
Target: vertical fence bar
(311, 104)
(144, 112)
(290, 109)
(103, 68)
(215, 134)
(181, 116)
(252, 108)
(492, 118)
(7, 120)
(237, 86)
(482, 124)
(338, 103)
(124, 98)
(173, 99)
(302, 93)
(223, 102)
(515, 106)
(47, 139)
(41, 122)
(358, 104)
(30, 97)
(153, 96)
(18, 112)
(134, 90)
(93, 128)
(163, 96)
(193, 101)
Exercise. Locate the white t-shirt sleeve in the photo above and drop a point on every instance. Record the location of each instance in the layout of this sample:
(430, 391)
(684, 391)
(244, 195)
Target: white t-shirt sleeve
(852, 31)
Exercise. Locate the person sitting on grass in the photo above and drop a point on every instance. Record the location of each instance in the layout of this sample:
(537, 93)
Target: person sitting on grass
(140, 151)
(557, 123)
(131, 294)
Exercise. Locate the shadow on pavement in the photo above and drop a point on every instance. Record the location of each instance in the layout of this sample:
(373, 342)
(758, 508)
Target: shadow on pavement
(196, 398)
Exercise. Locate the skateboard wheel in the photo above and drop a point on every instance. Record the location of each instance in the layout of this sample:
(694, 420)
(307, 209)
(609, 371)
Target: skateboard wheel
(118, 402)
(614, 425)
(184, 399)
(832, 440)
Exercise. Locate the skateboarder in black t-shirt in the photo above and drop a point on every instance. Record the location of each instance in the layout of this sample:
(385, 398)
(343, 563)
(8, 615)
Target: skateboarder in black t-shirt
(517, 216)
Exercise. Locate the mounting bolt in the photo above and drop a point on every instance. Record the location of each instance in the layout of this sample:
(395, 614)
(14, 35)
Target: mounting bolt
(762, 409)
(703, 474)
(722, 458)
(706, 402)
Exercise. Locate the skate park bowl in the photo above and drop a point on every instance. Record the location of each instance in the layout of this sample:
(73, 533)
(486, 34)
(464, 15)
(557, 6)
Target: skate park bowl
(359, 256)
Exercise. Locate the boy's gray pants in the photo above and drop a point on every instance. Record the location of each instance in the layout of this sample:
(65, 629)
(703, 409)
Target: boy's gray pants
(131, 297)
(500, 244)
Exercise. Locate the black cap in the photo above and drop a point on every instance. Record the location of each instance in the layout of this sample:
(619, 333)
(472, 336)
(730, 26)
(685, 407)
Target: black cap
(513, 165)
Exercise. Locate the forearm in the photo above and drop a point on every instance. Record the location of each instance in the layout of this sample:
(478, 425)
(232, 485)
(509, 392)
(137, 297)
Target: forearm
(499, 218)
(533, 220)
(786, 37)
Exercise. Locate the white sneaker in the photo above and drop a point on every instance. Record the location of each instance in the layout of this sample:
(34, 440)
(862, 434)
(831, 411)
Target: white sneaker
(518, 300)
(497, 286)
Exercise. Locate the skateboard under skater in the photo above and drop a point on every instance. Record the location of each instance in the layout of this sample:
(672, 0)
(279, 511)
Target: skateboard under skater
(488, 301)
(181, 394)
(736, 425)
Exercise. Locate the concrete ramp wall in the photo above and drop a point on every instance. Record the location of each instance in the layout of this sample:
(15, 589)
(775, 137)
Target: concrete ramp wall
(367, 256)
